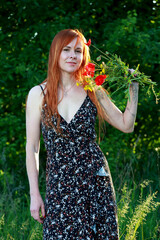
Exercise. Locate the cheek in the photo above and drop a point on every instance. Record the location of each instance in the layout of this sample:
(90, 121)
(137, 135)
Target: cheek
(61, 59)
(63, 55)
(80, 59)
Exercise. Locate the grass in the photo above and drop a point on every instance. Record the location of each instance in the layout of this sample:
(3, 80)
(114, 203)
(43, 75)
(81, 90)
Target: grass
(138, 211)
(138, 214)
(15, 220)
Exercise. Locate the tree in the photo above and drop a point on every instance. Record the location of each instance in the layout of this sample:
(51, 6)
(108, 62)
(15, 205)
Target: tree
(27, 29)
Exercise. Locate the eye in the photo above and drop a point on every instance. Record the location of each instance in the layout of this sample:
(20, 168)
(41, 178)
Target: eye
(79, 51)
(66, 49)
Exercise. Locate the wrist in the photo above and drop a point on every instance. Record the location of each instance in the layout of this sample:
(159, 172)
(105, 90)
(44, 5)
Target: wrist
(134, 87)
(97, 88)
(34, 193)
(134, 83)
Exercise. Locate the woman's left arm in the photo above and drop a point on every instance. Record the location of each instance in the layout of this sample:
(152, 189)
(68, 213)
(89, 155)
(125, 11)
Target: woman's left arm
(122, 121)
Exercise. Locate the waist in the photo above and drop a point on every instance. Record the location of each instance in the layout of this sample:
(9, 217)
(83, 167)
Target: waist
(82, 140)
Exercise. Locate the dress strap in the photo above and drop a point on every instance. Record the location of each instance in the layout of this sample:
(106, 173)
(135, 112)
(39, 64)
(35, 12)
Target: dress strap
(42, 89)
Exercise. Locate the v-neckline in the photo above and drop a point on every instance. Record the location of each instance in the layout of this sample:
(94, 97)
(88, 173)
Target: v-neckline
(74, 116)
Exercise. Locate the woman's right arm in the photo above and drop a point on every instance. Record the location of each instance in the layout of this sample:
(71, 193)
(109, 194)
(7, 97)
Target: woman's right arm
(33, 114)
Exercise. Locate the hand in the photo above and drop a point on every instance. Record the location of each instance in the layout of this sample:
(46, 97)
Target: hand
(35, 206)
(131, 71)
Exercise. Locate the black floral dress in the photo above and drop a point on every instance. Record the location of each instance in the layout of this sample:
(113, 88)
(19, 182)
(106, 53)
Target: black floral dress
(80, 201)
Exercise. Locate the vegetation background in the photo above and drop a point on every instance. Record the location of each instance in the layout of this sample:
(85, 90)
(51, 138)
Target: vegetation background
(129, 28)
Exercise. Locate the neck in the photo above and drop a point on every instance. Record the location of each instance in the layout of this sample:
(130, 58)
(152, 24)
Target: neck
(67, 80)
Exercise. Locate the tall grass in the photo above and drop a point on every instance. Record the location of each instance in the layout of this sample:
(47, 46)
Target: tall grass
(138, 209)
(134, 214)
(15, 220)
(137, 212)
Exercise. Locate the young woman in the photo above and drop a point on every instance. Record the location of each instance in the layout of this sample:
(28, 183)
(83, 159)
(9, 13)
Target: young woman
(80, 200)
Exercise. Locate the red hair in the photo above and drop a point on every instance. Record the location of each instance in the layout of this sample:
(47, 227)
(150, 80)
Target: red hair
(62, 39)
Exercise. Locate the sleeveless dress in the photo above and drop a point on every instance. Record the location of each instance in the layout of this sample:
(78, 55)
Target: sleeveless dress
(80, 200)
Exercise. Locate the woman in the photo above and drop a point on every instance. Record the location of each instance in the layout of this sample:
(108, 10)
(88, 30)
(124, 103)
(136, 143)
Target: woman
(80, 200)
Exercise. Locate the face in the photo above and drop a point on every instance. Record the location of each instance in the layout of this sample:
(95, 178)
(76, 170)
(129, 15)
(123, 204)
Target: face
(71, 56)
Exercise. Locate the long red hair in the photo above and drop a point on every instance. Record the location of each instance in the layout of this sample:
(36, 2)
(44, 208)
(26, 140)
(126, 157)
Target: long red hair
(62, 39)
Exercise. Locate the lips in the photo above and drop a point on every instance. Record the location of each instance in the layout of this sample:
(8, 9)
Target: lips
(72, 63)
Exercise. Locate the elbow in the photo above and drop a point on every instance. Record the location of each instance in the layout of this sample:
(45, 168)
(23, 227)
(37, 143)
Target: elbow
(128, 127)
(30, 147)
(129, 130)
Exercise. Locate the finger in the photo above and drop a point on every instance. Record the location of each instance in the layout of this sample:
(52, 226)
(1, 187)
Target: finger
(43, 210)
(35, 215)
(131, 70)
(40, 220)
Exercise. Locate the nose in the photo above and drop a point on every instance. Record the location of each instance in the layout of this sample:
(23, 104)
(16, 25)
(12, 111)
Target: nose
(73, 54)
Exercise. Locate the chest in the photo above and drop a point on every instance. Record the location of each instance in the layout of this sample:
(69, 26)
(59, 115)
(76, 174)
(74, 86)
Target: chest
(70, 105)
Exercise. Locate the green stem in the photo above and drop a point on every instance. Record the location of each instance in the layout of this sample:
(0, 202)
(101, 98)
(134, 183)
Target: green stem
(101, 52)
(113, 85)
(118, 89)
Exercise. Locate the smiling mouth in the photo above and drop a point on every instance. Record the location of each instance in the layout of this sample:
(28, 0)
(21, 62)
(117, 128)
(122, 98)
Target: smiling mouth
(73, 63)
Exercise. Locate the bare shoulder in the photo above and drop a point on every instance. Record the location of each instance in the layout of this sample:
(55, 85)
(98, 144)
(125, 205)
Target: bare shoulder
(36, 91)
(35, 98)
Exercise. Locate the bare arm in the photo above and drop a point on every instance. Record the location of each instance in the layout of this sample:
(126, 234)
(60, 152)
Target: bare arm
(33, 113)
(122, 121)
(131, 108)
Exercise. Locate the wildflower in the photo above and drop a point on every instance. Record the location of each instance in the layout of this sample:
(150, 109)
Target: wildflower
(88, 43)
(88, 87)
(99, 80)
(90, 67)
(119, 75)
(89, 70)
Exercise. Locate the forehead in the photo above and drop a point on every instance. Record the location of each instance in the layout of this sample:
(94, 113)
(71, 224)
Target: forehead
(76, 43)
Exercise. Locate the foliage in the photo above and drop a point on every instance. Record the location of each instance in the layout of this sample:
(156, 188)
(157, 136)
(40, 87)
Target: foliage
(129, 29)
(27, 28)
(135, 212)
(119, 75)
(132, 217)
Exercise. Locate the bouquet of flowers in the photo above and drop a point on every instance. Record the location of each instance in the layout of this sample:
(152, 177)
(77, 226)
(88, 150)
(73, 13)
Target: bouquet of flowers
(113, 74)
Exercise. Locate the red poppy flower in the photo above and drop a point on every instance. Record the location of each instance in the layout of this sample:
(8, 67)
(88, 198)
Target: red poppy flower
(99, 80)
(89, 70)
(90, 67)
(88, 43)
